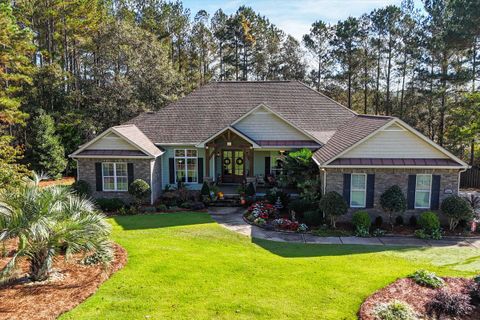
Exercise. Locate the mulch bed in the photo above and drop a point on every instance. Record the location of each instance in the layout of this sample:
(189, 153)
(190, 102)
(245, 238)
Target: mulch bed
(65, 181)
(416, 296)
(70, 284)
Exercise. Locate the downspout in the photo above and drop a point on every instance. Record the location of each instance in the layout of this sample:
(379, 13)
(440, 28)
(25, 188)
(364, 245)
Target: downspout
(459, 177)
(324, 187)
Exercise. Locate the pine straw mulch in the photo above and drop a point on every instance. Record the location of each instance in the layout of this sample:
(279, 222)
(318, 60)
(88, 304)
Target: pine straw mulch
(64, 181)
(70, 284)
(416, 296)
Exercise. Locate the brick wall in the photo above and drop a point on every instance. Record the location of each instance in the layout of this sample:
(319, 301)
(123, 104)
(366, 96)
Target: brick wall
(141, 170)
(385, 178)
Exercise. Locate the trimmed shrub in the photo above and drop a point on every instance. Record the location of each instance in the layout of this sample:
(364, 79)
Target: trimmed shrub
(412, 221)
(250, 191)
(427, 279)
(393, 201)
(333, 205)
(82, 188)
(447, 303)
(399, 221)
(361, 219)
(139, 189)
(429, 221)
(313, 217)
(162, 207)
(109, 204)
(456, 208)
(378, 222)
(205, 189)
(302, 205)
(395, 310)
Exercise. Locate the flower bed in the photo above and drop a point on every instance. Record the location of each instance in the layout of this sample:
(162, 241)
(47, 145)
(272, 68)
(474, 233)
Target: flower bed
(455, 295)
(265, 215)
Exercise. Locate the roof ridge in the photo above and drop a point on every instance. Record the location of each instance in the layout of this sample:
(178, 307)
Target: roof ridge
(375, 116)
(251, 81)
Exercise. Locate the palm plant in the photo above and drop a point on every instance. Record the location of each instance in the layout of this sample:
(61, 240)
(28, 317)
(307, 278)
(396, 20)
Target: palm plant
(51, 221)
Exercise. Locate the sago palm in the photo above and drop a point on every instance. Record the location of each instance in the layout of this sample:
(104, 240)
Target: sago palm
(49, 221)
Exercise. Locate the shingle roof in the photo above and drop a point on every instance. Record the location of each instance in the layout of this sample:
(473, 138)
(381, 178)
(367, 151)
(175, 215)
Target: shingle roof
(394, 162)
(132, 133)
(216, 105)
(349, 133)
(129, 153)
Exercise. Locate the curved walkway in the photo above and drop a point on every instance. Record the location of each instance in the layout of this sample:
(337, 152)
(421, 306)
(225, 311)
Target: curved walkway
(231, 218)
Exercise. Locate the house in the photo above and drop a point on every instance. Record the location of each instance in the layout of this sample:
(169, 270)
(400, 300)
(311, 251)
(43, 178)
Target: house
(229, 132)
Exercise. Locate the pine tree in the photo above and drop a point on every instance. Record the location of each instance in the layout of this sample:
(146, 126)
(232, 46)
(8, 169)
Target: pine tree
(48, 154)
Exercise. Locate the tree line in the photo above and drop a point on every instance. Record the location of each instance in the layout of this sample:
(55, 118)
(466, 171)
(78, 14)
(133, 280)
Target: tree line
(72, 68)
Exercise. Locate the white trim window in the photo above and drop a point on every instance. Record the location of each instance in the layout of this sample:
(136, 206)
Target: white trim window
(423, 191)
(186, 165)
(358, 190)
(114, 176)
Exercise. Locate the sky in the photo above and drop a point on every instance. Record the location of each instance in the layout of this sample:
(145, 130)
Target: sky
(296, 16)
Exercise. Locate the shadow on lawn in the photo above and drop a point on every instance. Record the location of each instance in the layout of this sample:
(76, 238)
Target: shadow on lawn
(162, 220)
(305, 250)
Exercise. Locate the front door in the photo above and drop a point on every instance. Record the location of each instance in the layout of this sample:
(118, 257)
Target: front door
(233, 166)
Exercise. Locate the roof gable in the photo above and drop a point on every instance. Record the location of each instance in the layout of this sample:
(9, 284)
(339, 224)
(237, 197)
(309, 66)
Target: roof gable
(125, 140)
(261, 123)
(395, 141)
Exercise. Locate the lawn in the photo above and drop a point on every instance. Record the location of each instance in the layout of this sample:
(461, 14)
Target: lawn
(185, 266)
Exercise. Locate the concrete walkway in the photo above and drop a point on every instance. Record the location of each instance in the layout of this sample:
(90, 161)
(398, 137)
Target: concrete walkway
(231, 218)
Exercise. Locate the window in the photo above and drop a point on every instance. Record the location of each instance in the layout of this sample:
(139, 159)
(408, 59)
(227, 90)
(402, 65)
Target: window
(114, 176)
(358, 190)
(186, 165)
(423, 191)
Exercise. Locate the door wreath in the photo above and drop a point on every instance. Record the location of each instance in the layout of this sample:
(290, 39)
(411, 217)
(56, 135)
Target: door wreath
(239, 161)
(227, 161)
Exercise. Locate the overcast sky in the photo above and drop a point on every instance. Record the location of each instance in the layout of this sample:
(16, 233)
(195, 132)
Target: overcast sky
(295, 16)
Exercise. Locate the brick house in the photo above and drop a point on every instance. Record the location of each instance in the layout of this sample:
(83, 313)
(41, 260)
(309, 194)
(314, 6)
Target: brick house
(229, 132)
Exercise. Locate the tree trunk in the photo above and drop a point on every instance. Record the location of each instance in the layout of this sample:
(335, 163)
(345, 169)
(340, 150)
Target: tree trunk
(377, 85)
(404, 73)
(389, 68)
(40, 266)
(319, 73)
(472, 152)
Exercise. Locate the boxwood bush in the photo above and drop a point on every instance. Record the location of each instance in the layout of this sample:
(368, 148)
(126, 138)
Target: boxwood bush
(302, 205)
(361, 219)
(333, 205)
(429, 221)
(313, 217)
(110, 204)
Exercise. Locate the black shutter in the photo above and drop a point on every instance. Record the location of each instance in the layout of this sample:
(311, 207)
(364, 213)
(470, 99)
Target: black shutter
(370, 191)
(347, 178)
(412, 182)
(267, 166)
(171, 170)
(98, 176)
(434, 205)
(200, 170)
(130, 173)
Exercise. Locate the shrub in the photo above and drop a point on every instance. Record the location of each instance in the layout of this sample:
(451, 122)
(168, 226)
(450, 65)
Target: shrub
(456, 208)
(412, 221)
(274, 193)
(197, 206)
(378, 221)
(361, 219)
(427, 279)
(393, 201)
(162, 207)
(446, 303)
(82, 188)
(170, 198)
(333, 205)
(362, 232)
(139, 189)
(205, 189)
(302, 205)
(378, 232)
(434, 235)
(475, 292)
(110, 204)
(429, 221)
(394, 310)
(399, 221)
(250, 191)
(313, 217)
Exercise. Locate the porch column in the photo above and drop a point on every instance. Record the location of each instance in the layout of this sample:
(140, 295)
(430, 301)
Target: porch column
(251, 164)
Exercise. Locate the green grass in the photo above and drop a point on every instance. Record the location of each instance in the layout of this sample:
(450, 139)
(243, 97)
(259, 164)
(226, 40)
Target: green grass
(185, 266)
